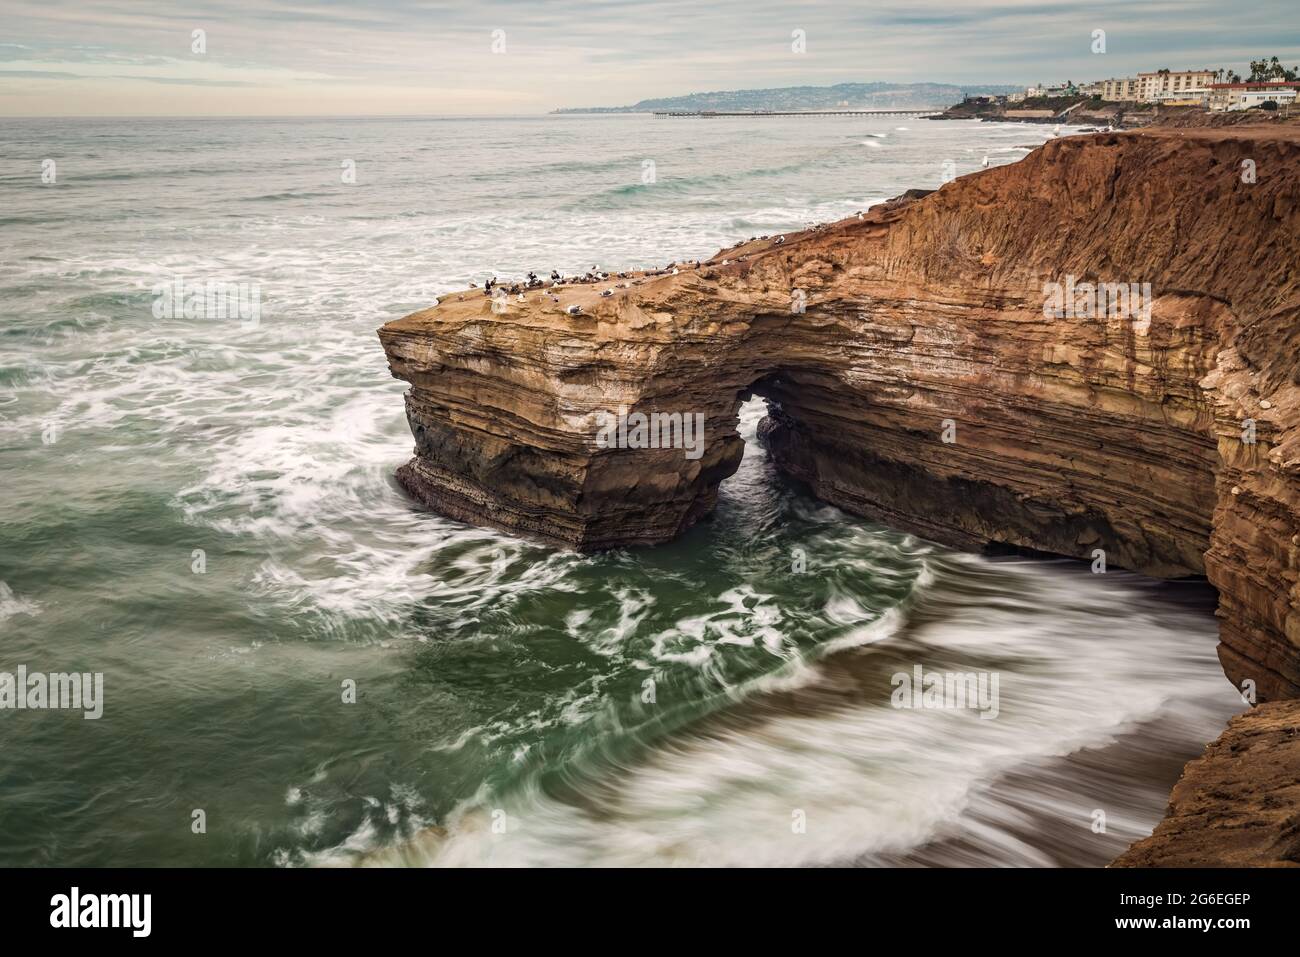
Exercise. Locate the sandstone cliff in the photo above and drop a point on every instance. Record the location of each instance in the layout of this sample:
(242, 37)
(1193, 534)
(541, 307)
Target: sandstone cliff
(923, 386)
(1236, 805)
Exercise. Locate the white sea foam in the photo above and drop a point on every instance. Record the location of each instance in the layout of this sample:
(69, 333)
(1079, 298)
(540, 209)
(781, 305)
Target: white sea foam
(867, 778)
(11, 605)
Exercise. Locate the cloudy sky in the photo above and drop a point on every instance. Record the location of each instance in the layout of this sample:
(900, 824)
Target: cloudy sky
(280, 57)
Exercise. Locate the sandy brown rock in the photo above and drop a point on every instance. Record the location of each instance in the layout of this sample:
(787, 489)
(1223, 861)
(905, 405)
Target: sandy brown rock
(1071, 434)
(1238, 805)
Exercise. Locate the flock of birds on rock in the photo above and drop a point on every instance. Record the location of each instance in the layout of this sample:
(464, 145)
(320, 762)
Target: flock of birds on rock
(624, 280)
(557, 281)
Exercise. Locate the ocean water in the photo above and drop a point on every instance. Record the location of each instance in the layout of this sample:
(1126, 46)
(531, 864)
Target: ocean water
(204, 512)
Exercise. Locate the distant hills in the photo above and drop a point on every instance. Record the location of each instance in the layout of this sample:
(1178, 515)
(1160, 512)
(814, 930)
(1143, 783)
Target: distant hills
(843, 96)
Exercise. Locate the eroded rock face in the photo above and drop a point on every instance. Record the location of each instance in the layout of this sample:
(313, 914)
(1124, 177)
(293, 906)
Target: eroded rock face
(923, 386)
(1235, 806)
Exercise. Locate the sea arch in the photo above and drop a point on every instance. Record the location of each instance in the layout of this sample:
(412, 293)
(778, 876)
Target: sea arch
(923, 366)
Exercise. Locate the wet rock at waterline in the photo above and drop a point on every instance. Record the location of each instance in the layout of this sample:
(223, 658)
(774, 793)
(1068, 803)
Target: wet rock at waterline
(1235, 806)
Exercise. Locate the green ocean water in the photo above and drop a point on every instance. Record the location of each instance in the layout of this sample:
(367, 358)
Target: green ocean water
(204, 512)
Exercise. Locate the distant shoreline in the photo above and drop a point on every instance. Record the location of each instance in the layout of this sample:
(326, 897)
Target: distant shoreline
(805, 99)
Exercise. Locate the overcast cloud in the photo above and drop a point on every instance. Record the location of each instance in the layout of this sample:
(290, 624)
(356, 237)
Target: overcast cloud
(270, 57)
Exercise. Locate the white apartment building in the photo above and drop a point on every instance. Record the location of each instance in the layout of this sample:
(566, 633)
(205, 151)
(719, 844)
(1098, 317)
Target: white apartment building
(1242, 96)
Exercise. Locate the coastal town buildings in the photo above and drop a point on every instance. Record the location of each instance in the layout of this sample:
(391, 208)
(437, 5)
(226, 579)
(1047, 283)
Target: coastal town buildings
(1044, 89)
(1190, 88)
(1170, 87)
(1242, 96)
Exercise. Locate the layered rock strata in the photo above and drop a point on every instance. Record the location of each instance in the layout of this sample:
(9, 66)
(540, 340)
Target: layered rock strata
(912, 376)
